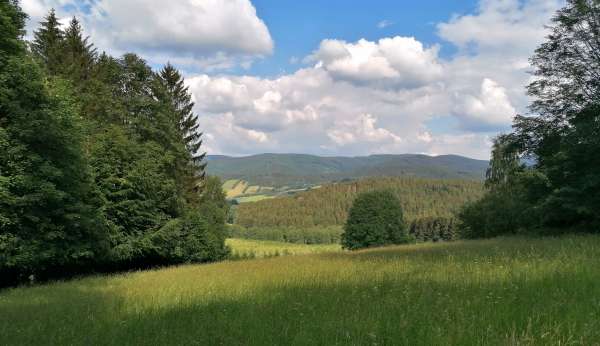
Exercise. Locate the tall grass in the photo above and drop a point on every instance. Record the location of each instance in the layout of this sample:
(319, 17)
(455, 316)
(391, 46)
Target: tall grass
(247, 248)
(508, 291)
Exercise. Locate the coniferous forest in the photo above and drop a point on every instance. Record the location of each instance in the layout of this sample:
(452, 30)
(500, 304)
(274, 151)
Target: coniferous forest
(101, 164)
(430, 207)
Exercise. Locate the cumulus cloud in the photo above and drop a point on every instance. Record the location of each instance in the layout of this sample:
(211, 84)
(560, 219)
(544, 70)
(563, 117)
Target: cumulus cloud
(361, 129)
(199, 34)
(353, 98)
(489, 109)
(505, 26)
(367, 97)
(397, 61)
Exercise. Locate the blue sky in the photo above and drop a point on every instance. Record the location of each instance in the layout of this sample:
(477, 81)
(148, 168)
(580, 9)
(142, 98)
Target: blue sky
(333, 77)
(297, 27)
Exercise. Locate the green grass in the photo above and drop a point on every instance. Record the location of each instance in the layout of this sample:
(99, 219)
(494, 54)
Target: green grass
(254, 198)
(229, 184)
(510, 291)
(265, 248)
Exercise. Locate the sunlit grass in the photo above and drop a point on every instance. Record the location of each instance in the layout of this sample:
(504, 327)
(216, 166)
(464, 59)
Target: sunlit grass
(508, 291)
(262, 248)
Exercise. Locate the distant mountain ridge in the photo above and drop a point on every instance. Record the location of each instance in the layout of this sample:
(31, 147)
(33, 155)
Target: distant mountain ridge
(301, 169)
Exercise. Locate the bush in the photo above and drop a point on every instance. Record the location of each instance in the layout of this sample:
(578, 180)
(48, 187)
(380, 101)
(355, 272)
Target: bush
(195, 237)
(375, 219)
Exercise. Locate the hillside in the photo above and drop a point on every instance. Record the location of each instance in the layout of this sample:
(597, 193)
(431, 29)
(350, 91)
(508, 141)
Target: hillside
(329, 204)
(298, 170)
(507, 291)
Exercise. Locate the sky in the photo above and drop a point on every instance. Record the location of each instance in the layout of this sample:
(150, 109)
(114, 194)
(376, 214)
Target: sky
(333, 77)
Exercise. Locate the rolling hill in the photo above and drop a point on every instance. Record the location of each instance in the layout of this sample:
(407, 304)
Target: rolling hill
(298, 170)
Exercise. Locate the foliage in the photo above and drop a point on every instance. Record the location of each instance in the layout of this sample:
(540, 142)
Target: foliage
(48, 203)
(329, 205)
(297, 235)
(99, 166)
(375, 219)
(433, 229)
(560, 189)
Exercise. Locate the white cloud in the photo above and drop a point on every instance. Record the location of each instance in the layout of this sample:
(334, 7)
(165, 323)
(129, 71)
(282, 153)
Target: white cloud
(397, 61)
(356, 98)
(361, 129)
(200, 34)
(501, 26)
(490, 109)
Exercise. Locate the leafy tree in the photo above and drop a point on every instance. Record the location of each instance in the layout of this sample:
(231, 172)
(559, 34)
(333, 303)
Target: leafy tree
(48, 205)
(212, 192)
(559, 191)
(375, 219)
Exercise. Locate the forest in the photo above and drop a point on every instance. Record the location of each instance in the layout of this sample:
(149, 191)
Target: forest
(316, 216)
(84, 140)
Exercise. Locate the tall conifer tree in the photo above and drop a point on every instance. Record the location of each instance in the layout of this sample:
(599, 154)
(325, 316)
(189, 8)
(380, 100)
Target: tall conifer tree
(79, 55)
(48, 43)
(181, 101)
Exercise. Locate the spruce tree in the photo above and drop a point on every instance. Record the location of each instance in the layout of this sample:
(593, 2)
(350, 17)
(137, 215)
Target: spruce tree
(48, 43)
(187, 121)
(78, 54)
(49, 214)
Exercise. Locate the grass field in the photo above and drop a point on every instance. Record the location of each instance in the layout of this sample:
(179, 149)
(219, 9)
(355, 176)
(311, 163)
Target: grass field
(254, 198)
(237, 189)
(262, 248)
(509, 291)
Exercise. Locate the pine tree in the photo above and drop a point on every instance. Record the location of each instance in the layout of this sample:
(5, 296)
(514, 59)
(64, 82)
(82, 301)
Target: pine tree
(78, 54)
(187, 121)
(48, 42)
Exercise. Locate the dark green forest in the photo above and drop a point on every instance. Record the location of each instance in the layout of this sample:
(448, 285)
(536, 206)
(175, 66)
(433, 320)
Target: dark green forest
(329, 205)
(560, 190)
(99, 159)
(298, 170)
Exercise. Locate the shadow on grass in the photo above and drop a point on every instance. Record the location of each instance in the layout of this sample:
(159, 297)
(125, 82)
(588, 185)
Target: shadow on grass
(547, 310)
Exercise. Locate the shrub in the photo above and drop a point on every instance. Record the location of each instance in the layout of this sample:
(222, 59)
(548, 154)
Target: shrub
(375, 219)
(195, 237)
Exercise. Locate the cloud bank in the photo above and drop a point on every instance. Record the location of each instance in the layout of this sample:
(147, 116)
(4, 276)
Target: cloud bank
(391, 95)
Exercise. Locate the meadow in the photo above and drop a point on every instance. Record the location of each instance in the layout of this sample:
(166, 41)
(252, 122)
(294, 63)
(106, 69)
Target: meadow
(248, 248)
(501, 291)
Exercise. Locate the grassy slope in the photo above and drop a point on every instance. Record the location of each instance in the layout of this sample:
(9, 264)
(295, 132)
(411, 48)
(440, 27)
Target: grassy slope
(501, 291)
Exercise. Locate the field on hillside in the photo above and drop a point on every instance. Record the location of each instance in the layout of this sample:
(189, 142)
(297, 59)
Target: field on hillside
(507, 291)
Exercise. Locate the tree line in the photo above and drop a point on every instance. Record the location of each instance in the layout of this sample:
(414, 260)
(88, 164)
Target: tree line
(544, 176)
(101, 167)
(429, 207)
